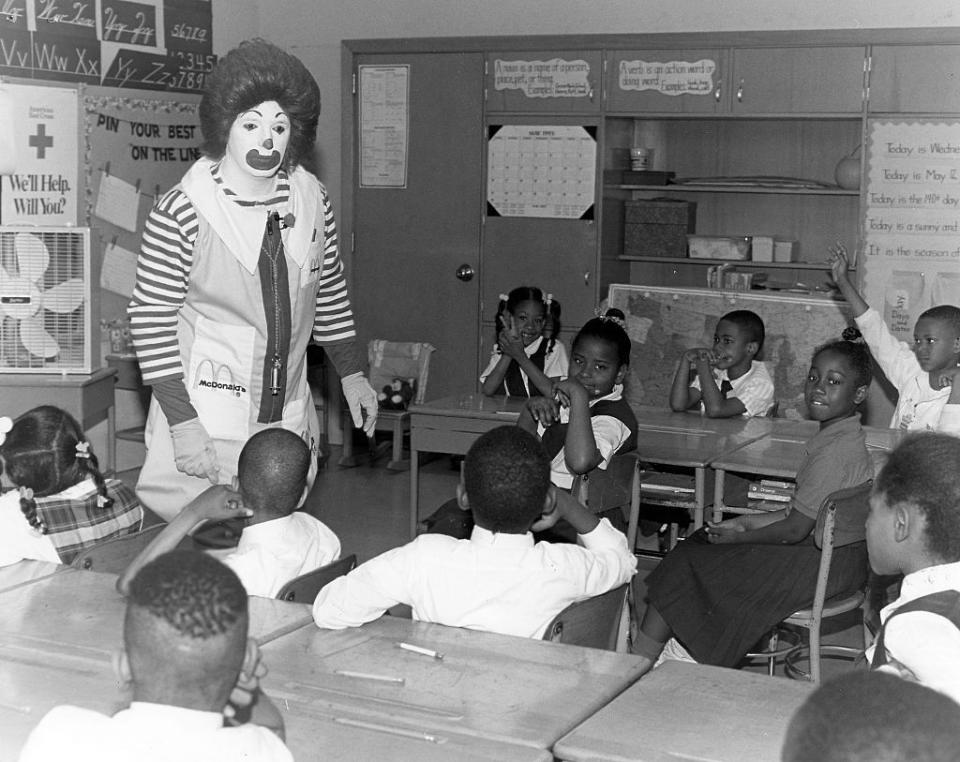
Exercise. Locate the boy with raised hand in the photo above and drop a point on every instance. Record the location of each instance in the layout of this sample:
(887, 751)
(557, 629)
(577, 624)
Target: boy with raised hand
(923, 374)
(913, 529)
(279, 543)
(186, 656)
(498, 580)
(726, 379)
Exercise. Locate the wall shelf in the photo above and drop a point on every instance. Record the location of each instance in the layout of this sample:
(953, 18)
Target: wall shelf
(767, 190)
(739, 262)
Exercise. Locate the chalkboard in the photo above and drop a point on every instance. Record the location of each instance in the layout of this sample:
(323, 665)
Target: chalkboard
(910, 254)
(664, 322)
(148, 45)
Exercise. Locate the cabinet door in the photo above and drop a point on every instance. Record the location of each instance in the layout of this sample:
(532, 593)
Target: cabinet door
(666, 81)
(797, 80)
(558, 81)
(915, 78)
(410, 241)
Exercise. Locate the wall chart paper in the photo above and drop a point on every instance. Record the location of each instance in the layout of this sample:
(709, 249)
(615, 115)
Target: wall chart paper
(145, 44)
(668, 77)
(910, 257)
(556, 78)
(384, 126)
(541, 171)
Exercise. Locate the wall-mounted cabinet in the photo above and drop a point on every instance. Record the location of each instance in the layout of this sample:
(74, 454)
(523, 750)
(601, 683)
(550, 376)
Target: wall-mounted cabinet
(682, 81)
(801, 81)
(555, 81)
(915, 79)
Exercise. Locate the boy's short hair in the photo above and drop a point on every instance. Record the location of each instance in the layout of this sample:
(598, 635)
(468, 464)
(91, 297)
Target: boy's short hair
(272, 471)
(944, 313)
(873, 717)
(185, 628)
(506, 477)
(924, 470)
(748, 322)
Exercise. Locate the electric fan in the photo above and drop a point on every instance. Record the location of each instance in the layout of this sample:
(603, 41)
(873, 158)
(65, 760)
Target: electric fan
(45, 289)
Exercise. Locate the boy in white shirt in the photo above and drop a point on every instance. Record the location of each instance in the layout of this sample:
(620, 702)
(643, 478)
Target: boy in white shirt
(279, 543)
(499, 580)
(191, 667)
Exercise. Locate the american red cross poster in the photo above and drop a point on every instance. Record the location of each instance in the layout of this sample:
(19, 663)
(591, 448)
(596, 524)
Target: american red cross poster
(39, 184)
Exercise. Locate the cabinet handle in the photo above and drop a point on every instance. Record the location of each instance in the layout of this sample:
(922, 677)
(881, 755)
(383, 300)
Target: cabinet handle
(740, 92)
(716, 91)
(590, 94)
(586, 278)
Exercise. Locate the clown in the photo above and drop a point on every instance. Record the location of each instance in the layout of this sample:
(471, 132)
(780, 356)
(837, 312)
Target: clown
(238, 268)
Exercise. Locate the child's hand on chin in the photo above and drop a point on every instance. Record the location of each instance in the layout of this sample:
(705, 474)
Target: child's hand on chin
(544, 411)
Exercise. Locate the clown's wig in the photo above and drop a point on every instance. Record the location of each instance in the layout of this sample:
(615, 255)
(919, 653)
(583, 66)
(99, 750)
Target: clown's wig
(254, 72)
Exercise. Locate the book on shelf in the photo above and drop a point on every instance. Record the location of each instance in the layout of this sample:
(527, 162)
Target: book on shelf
(761, 491)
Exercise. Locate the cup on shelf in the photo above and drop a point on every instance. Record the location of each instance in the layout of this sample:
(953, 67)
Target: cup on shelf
(641, 159)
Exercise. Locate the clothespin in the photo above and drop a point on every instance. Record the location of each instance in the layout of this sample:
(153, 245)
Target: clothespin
(106, 169)
(156, 191)
(137, 185)
(113, 242)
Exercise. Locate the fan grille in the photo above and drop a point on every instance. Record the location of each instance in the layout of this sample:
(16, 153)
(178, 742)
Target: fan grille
(45, 300)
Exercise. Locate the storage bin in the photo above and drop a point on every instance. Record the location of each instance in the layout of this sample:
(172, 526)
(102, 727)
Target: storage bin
(719, 247)
(658, 227)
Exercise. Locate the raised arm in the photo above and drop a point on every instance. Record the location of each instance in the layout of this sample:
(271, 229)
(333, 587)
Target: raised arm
(213, 504)
(682, 395)
(580, 451)
(840, 272)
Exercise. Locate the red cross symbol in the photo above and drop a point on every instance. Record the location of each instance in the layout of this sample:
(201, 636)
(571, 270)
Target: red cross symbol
(41, 141)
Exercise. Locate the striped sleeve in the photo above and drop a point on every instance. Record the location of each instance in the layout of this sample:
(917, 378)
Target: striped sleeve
(163, 274)
(333, 319)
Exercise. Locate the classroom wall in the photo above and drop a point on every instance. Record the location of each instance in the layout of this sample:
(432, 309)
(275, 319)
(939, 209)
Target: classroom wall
(313, 30)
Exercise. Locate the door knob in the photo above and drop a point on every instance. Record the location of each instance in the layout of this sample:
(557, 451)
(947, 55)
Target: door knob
(465, 273)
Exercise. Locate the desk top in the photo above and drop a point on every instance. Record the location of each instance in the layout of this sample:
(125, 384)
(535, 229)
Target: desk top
(27, 571)
(80, 613)
(690, 711)
(55, 379)
(473, 406)
(780, 453)
(495, 687)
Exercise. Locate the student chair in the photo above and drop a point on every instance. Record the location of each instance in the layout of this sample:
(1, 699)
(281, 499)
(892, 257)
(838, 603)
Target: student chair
(304, 589)
(839, 522)
(409, 360)
(115, 555)
(617, 486)
(594, 622)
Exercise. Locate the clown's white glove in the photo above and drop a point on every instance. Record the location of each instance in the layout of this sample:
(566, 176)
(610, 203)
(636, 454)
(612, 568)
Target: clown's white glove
(193, 450)
(360, 396)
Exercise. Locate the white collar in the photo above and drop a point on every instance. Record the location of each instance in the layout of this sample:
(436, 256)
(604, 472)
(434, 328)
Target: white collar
(241, 227)
(930, 580)
(481, 536)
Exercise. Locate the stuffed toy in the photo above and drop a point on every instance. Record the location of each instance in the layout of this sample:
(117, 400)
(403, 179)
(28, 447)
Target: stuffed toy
(397, 394)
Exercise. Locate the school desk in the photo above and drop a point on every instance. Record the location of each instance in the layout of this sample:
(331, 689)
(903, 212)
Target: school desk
(80, 613)
(451, 425)
(779, 454)
(690, 711)
(87, 397)
(692, 440)
(495, 687)
(26, 572)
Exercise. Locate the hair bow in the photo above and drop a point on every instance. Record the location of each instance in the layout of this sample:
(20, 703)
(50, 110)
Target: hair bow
(504, 298)
(548, 300)
(6, 424)
(102, 501)
(26, 493)
(83, 450)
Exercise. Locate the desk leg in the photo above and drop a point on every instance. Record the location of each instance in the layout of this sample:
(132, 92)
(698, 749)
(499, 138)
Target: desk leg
(718, 494)
(700, 496)
(414, 489)
(112, 439)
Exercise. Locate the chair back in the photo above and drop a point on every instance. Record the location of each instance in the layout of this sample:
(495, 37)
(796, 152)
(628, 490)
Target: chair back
(594, 622)
(617, 486)
(115, 555)
(400, 359)
(304, 589)
(851, 506)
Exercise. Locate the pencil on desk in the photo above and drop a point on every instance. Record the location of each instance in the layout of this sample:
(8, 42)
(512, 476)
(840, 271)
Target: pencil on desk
(421, 650)
(369, 676)
(420, 735)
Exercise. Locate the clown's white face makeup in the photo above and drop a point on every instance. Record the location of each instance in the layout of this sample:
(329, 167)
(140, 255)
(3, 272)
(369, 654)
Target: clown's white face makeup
(256, 145)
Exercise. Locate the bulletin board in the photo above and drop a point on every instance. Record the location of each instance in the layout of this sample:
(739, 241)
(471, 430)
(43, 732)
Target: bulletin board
(910, 254)
(136, 147)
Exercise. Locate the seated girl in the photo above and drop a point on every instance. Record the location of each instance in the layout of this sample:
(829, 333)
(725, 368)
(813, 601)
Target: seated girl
(55, 501)
(583, 424)
(720, 590)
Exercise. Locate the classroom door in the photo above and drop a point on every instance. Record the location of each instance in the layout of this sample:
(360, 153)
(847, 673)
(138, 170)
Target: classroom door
(416, 260)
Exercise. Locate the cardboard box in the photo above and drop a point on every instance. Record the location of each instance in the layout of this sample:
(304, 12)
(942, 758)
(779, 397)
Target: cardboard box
(658, 227)
(784, 251)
